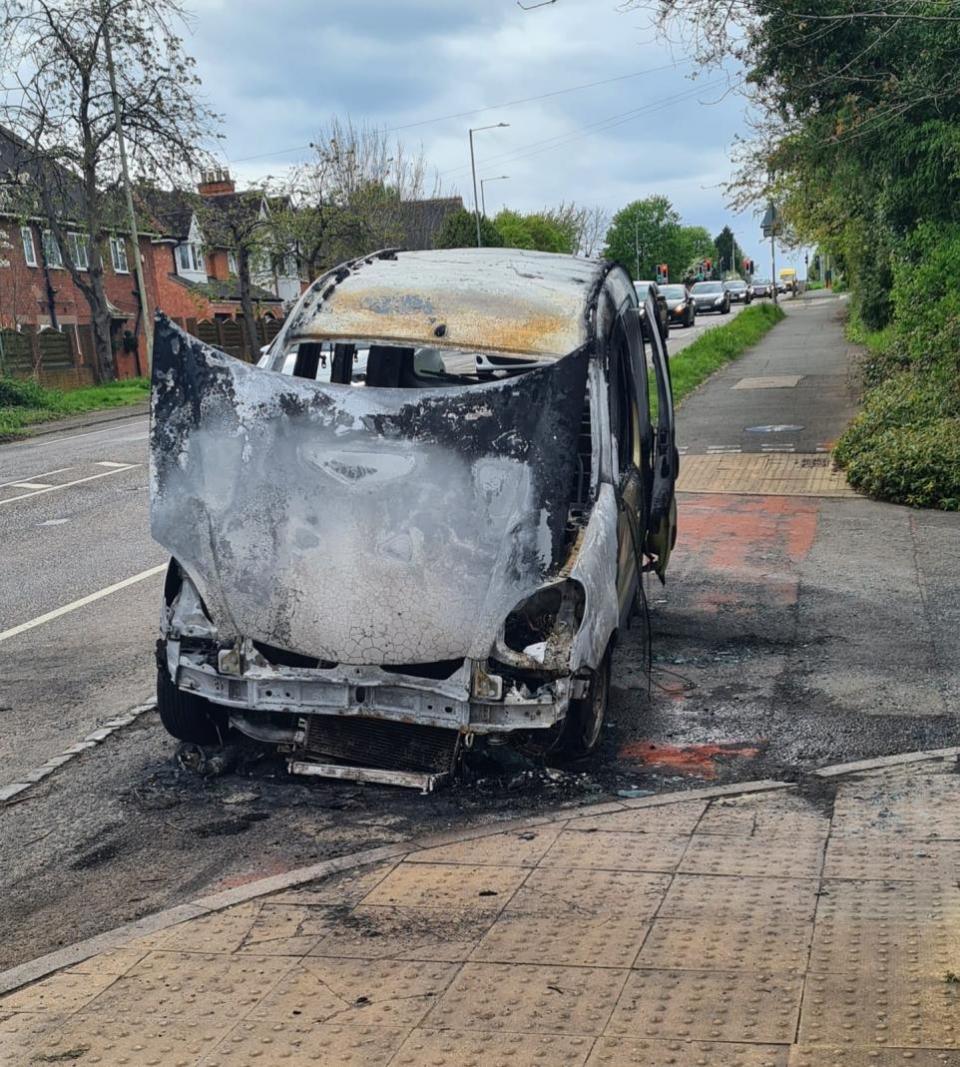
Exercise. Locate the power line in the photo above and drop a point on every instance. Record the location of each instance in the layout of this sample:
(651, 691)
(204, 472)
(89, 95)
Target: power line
(480, 110)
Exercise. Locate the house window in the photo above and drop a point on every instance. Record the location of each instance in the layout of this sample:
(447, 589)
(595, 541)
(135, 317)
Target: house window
(118, 255)
(79, 250)
(29, 252)
(232, 263)
(51, 250)
(190, 258)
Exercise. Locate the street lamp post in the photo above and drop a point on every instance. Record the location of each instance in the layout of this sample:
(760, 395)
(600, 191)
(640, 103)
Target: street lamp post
(473, 169)
(483, 199)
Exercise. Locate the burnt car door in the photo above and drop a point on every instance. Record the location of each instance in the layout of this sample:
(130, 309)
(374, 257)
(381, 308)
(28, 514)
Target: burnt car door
(661, 526)
(632, 437)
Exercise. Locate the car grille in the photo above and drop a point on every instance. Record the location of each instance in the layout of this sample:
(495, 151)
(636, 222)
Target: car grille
(381, 743)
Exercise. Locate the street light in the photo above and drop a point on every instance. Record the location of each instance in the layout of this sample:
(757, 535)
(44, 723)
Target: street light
(473, 168)
(483, 200)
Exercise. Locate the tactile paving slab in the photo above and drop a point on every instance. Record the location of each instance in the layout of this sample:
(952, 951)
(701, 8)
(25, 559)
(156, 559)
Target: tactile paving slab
(747, 944)
(63, 993)
(680, 818)
(874, 1009)
(708, 1006)
(889, 857)
(919, 807)
(616, 851)
(881, 945)
(448, 886)
(525, 999)
(377, 932)
(777, 474)
(632, 1052)
(720, 898)
(522, 848)
(461, 1048)
(804, 1056)
(21, 1032)
(555, 891)
(750, 856)
(607, 940)
(296, 1045)
(130, 1041)
(356, 992)
(920, 901)
(344, 887)
(190, 984)
(762, 816)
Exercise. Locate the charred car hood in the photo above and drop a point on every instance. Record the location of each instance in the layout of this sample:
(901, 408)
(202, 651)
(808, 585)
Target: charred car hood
(360, 525)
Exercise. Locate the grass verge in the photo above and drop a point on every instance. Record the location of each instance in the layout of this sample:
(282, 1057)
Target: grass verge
(718, 346)
(23, 402)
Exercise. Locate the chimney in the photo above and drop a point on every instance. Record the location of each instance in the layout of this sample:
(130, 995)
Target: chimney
(216, 182)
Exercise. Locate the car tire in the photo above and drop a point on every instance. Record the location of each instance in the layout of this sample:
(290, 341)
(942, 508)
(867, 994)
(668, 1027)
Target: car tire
(188, 717)
(584, 719)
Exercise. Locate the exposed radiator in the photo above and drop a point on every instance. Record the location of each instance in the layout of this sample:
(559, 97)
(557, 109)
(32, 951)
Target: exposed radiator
(395, 746)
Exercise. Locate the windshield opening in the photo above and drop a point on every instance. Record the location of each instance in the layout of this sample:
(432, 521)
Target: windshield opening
(391, 366)
(673, 292)
(708, 287)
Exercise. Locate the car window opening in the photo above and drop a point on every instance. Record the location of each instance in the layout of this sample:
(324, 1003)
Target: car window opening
(387, 366)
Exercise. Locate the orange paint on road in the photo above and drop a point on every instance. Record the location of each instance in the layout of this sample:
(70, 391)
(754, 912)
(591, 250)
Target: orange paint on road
(686, 759)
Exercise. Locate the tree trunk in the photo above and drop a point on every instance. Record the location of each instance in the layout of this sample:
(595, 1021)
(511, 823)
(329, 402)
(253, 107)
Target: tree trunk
(246, 305)
(105, 368)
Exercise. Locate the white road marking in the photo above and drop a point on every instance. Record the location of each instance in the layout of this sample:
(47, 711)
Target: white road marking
(14, 631)
(778, 448)
(33, 477)
(720, 450)
(53, 522)
(30, 485)
(66, 485)
(108, 463)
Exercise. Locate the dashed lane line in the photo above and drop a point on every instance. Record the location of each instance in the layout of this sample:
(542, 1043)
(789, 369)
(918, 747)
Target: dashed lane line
(49, 616)
(66, 485)
(10, 794)
(34, 477)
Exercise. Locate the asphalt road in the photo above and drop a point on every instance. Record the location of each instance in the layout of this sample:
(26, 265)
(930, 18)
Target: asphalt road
(793, 632)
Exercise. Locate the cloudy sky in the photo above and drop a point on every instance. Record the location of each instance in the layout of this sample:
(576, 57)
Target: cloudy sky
(276, 71)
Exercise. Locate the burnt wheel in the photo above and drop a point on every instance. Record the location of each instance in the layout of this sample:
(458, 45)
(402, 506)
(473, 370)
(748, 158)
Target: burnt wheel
(188, 717)
(584, 721)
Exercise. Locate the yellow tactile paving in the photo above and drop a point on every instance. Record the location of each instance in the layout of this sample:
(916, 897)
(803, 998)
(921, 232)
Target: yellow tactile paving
(522, 848)
(374, 931)
(355, 992)
(632, 1052)
(757, 931)
(306, 1045)
(527, 999)
(770, 474)
(616, 851)
(464, 1048)
(441, 885)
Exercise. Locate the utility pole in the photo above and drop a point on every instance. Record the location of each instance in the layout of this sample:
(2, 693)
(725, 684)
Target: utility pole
(636, 244)
(128, 192)
(473, 169)
(773, 263)
(483, 201)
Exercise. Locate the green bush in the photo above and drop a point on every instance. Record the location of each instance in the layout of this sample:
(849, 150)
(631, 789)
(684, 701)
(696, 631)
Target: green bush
(23, 393)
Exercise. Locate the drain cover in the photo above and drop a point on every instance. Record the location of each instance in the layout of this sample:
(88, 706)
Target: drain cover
(785, 427)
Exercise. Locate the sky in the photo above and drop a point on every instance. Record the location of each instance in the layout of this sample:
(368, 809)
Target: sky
(276, 72)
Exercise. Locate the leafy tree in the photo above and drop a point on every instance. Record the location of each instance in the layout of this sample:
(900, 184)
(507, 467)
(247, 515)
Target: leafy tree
(540, 231)
(728, 253)
(57, 102)
(459, 230)
(642, 234)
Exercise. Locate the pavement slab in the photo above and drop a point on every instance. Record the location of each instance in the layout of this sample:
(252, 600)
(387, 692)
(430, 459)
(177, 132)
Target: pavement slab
(778, 942)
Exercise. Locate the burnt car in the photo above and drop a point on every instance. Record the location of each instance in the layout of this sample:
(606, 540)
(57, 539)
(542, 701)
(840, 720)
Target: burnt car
(374, 576)
(681, 308)
(739, 291)
(643, 290)
(711, 296)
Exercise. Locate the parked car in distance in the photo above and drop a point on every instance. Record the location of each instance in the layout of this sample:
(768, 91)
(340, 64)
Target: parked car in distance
(711, 296)
(642, 289)
(760, 288)
(681, 309)
(739, 291)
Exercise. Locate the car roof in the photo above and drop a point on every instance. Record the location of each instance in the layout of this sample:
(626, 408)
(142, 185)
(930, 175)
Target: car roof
(497, 299)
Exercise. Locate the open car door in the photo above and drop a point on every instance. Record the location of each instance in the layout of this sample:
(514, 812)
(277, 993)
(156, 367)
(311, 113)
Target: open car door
(662, 524)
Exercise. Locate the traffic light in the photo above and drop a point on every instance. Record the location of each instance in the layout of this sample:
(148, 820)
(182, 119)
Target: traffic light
(708, 265)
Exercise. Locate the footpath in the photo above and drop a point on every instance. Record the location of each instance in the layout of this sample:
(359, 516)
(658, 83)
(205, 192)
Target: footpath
(764, 925)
